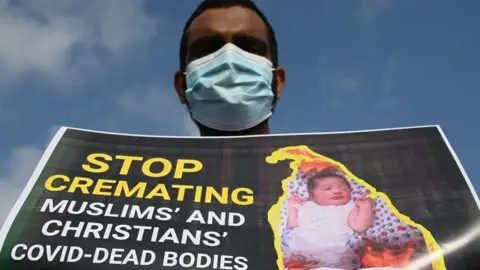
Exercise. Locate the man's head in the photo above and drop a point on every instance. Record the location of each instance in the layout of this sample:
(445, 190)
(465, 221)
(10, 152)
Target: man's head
(212, 25)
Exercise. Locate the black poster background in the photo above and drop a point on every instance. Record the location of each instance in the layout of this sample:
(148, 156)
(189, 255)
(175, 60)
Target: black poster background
(414, 167)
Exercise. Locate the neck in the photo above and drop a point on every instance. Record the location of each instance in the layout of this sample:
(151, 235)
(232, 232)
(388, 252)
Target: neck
(260, 129)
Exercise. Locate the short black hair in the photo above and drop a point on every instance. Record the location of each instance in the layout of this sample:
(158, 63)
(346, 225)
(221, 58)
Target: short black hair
(314, 176)
(208, 4)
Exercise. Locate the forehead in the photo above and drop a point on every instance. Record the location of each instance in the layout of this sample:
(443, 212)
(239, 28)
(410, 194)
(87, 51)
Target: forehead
(227, 22)
(330, 180)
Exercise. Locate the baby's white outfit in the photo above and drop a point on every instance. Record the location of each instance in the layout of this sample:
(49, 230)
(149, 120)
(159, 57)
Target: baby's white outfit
(323, 234)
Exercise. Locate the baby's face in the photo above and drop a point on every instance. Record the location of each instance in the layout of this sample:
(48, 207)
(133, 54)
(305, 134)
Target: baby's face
(331, 191)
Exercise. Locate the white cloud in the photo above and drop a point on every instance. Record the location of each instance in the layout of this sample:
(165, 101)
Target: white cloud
(389, 76)
(6, 115)
(345, 92)
(388, 99)
(19, 167)
(372, 10)
(342, 86)
(58, 39)
(348, 84)
(347, 88)
(159, 107)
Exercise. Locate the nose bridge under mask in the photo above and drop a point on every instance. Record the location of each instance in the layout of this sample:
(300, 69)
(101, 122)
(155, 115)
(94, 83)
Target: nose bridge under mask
(230, 51)
(232, 63)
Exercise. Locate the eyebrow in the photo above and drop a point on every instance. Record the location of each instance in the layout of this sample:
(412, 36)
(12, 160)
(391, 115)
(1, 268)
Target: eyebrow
(205, 39)
(218, 40)
(252, 39)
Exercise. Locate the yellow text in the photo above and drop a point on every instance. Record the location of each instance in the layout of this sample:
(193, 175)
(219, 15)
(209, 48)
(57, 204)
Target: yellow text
(100, 163)
(122, 188)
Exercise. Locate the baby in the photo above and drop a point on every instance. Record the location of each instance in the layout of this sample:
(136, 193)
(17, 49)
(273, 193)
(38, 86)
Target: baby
(323, 225)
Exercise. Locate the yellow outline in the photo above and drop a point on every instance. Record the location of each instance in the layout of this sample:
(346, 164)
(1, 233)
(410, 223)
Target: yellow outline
(274, 212)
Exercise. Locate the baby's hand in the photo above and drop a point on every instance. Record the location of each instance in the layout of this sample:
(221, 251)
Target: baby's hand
(294, 201)
(364, 203)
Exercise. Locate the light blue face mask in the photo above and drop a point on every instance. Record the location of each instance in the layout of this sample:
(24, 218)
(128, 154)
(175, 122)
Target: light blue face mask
(230, 89)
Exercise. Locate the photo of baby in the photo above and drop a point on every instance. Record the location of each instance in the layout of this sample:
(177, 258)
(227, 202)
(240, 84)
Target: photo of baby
(329, 219)
(328, 214)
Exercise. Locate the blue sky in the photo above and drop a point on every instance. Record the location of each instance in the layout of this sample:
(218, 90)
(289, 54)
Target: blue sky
(350, 65)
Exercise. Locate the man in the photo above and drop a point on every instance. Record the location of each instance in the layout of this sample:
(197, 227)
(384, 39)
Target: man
(229, 76)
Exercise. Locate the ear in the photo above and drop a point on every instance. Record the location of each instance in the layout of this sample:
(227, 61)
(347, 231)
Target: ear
(280, 77)
(180, 86)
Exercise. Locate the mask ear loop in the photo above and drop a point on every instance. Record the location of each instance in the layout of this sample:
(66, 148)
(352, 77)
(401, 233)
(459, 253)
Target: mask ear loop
(185, 90)
(274, 89)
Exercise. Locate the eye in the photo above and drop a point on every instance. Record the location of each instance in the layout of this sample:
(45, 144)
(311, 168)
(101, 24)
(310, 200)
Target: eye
(204, 46)
(251, 44)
